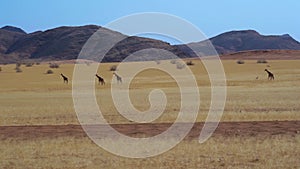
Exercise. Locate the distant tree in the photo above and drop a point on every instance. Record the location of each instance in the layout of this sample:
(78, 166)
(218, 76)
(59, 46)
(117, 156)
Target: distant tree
(88, 63)
(262, 61)
(29, 64)
(49, 72)
(189, 63)
(113, 68)
(240, 62)
(173, 61)
(180, 65)
(18, 65)
(157, 62)
(18, 70)
(53, 65)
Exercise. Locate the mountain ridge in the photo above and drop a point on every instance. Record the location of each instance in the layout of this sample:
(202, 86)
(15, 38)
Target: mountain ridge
(65, 43)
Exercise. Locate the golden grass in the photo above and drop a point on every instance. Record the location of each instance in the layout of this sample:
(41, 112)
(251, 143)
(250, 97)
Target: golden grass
(32, 97)
(217, 152)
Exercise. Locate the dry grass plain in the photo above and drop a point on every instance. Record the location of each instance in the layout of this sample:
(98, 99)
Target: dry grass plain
(34, 98)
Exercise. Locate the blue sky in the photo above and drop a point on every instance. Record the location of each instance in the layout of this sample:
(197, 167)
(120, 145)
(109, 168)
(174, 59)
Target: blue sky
(212, 17)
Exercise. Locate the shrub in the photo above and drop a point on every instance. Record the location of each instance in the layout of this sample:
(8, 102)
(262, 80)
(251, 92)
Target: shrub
(53, 65)
(37, 63)
(18, 65)
(189, 63)
(113, 68)
(49, 72)
(0, 69)
(180, 65)
(240, 62)
(157, 62)
(18, 70)
(262, 61)
(29, 64)
(173, 61)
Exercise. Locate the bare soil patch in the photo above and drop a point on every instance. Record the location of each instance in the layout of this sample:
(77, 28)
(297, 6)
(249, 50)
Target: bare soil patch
(262, 128)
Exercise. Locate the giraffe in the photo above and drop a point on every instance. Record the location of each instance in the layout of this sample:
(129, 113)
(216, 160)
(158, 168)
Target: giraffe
(100, 80)
(119, 78)
(270, 75)
(64, 78)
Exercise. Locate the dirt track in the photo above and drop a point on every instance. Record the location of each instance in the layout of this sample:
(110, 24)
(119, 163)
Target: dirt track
(267, 128)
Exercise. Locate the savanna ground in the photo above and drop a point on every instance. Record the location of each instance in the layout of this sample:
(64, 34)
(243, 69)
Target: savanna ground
(259, 129)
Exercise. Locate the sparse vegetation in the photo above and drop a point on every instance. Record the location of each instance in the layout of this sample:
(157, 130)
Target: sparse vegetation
(29, 64)
(217, 152)
(189, 63)
(0, 69)
(113, 68)
(54, 65)
(262, 61)
(238, 109)
(240, 62)
(49, 71)
(180, 65)
(18, 65)
(88, 63)
(244, 103)
(18, 70)
(173, 61)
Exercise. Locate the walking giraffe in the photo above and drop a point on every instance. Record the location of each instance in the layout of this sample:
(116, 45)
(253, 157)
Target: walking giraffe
(119, 78)
(100, 80)
(270, 75)
(64, 78)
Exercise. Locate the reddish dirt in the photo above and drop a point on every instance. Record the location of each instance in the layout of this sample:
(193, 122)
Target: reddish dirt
(264, 128)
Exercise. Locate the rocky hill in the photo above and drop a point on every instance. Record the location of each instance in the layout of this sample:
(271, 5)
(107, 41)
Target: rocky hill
(65, 43)
(13, 29)
(245, 40)
(236, 41)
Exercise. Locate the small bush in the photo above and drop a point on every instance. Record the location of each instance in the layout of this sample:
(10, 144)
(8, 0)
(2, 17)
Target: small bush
(262, 61)
(29, 64)
(18, 65)
(53, 65)
(180, 65)
(37, 63)
(49, 72)
(18, 70)
(189, 63)
(113, 68)
(240, 62)
(173, 61)
(0, 69)
(157, 62)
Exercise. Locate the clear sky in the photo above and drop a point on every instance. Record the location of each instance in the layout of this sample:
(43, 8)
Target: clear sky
(211, 16)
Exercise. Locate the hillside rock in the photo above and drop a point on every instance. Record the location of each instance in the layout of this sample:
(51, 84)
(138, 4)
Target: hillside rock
(13, 29)
(8, 37)
(65, 43)
(62, 43)
(245, 40)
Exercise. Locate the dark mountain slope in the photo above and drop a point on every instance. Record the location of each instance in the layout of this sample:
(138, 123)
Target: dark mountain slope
(65, 43)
